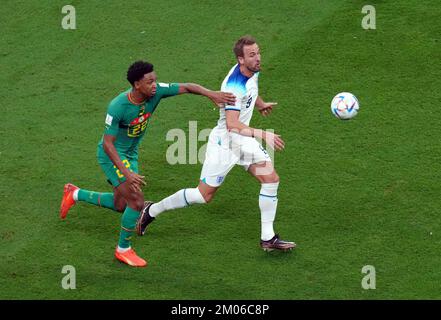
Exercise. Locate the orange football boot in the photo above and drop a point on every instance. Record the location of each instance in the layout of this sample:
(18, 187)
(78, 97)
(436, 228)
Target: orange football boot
(68, 200)
(131, 258)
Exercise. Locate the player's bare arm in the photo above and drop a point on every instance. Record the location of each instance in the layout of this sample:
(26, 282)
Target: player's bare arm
(219, 98)
(234, 125)
(135, 180)
(265, 108)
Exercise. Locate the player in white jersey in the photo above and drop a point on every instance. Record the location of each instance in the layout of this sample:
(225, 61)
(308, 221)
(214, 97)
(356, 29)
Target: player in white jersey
(233, 142)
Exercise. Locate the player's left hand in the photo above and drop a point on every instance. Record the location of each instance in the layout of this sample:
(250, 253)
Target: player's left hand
(267, 108)
(221, 99)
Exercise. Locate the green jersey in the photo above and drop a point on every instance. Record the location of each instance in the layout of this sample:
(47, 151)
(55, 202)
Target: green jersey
(128, 121)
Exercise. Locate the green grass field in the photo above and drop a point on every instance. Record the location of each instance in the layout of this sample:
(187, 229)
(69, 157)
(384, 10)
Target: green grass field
(352, 193)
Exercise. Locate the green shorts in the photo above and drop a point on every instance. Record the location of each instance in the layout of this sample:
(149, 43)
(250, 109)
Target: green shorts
(113, 174)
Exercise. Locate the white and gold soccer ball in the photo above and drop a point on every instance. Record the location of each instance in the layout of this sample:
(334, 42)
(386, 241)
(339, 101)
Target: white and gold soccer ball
(345, 106)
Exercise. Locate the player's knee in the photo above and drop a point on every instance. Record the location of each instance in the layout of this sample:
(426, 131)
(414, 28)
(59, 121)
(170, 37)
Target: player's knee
(274, 178)
(139, 205)
(208, 196)
(120, 207)
(136, 203)
(206, 192)
(271, 178)
(119, 203)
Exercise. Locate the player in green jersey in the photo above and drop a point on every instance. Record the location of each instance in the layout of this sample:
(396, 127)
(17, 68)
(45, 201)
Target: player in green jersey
(126, 121)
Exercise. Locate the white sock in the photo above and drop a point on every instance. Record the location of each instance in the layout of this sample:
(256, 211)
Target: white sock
(75, 194)
(180, 199)
(268, 206)
(119, 249)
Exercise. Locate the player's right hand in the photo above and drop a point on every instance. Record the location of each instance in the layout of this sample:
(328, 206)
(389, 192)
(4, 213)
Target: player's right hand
(274, 141)
(136, 181)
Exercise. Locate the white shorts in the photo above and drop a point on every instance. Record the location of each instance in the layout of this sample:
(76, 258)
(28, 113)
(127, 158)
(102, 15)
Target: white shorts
(224, 150)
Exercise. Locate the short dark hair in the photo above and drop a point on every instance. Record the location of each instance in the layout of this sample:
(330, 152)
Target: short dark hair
(137, 71)
(243, 41)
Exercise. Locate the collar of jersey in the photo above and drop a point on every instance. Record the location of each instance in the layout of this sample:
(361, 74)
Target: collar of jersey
(132, 102)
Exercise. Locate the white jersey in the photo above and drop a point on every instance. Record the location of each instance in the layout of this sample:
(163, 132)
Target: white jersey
(226, 149)
(246, 91)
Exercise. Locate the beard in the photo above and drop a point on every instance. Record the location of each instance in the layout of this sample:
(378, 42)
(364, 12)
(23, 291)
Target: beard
(254, 68)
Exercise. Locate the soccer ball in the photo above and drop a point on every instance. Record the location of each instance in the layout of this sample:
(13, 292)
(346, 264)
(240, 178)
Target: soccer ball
(345, 106)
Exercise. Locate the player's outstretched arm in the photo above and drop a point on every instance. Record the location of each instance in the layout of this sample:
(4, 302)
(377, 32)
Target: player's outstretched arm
(219, 98)
(234, 125)
(265, 108)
